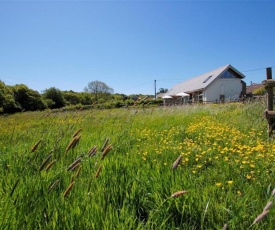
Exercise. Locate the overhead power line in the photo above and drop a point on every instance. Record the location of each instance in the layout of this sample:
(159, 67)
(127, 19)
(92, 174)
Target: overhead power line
(257, 69)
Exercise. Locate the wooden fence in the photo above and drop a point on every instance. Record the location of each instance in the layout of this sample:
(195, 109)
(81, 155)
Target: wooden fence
(269, 114)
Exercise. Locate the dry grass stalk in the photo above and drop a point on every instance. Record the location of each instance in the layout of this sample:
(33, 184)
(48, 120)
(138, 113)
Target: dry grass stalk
(14, 187)
(50, 165)
(35, 146)
(268, 205)
(261, 216)
(68, 189)
(72, 179)
(105, 144)
(92, 151)
(98, 172)
(105, 152)
(76, 133)
(72, 165)
(177, 162)
(179, 193)
(78, 171)
(45, 162)
(52, 186)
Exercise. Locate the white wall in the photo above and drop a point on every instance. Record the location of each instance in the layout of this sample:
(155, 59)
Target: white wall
(230, 87)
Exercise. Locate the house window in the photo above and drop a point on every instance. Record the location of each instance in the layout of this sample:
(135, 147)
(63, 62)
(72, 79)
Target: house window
(227, 74)
(207, 79)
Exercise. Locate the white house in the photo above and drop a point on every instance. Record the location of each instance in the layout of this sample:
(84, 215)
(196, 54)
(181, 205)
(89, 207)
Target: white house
(224, 83)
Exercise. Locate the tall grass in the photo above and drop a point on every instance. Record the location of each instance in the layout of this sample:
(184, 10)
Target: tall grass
(225, 165)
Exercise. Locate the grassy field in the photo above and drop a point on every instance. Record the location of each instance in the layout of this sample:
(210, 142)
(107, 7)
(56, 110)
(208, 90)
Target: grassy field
(117, 169)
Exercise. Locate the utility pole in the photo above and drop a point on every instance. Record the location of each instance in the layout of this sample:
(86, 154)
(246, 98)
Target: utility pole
(155, 89)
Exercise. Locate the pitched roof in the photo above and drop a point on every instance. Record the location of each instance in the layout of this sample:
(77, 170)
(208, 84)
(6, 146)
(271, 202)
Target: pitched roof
(201, 81)
(251, 88)
(160, 95)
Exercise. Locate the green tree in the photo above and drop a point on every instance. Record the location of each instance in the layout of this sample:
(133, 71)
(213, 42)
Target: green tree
(28, 99)
(99, 89)
(119, 97)
(56, 96)
(71, 97)
(7, 100)
(162, 90)
(260, 91)
(86, 98)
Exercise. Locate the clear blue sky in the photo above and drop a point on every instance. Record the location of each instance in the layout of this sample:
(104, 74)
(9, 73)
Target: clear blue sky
(129, 44)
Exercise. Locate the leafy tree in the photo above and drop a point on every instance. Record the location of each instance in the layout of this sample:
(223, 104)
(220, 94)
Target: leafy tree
(85, 98)
(71, 97)
(56, 96)
(119, 97)
(28, 99)
(7, 101)
(49, 103)
(162, 90)
(99, 89)
(259, 91)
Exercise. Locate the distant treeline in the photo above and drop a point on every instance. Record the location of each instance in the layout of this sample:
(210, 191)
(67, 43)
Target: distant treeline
(19, 98)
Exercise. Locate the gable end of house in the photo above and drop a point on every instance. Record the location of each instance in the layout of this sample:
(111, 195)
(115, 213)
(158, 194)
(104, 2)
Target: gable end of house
(219, 84)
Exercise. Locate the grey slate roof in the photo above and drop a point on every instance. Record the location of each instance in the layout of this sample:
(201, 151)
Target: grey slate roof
(200, 82)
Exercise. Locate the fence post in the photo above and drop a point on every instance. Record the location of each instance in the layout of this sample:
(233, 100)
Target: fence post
(269, 114)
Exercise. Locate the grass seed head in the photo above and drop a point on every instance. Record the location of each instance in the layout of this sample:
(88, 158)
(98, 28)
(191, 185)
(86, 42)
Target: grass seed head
(177, 162)
(261, 216)
(105, 144)
(92, 151)
(77, 138)
(98, 172)
(52, 186)
(69, 146)
(45, 162)
(73, 165)
(68, 189)
(76, 133)
(179, 193)
(14, 187)
(73, 143)
(268, 205)
(78, 171)
(105, 152)
(50, 165)
(35, 146)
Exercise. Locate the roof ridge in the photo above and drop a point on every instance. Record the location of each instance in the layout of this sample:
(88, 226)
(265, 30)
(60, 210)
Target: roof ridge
(222, 67)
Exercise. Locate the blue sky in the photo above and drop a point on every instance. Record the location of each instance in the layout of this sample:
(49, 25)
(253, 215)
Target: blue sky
(129, 44)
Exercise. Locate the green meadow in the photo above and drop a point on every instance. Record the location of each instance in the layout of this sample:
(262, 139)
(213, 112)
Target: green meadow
(187, 167)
